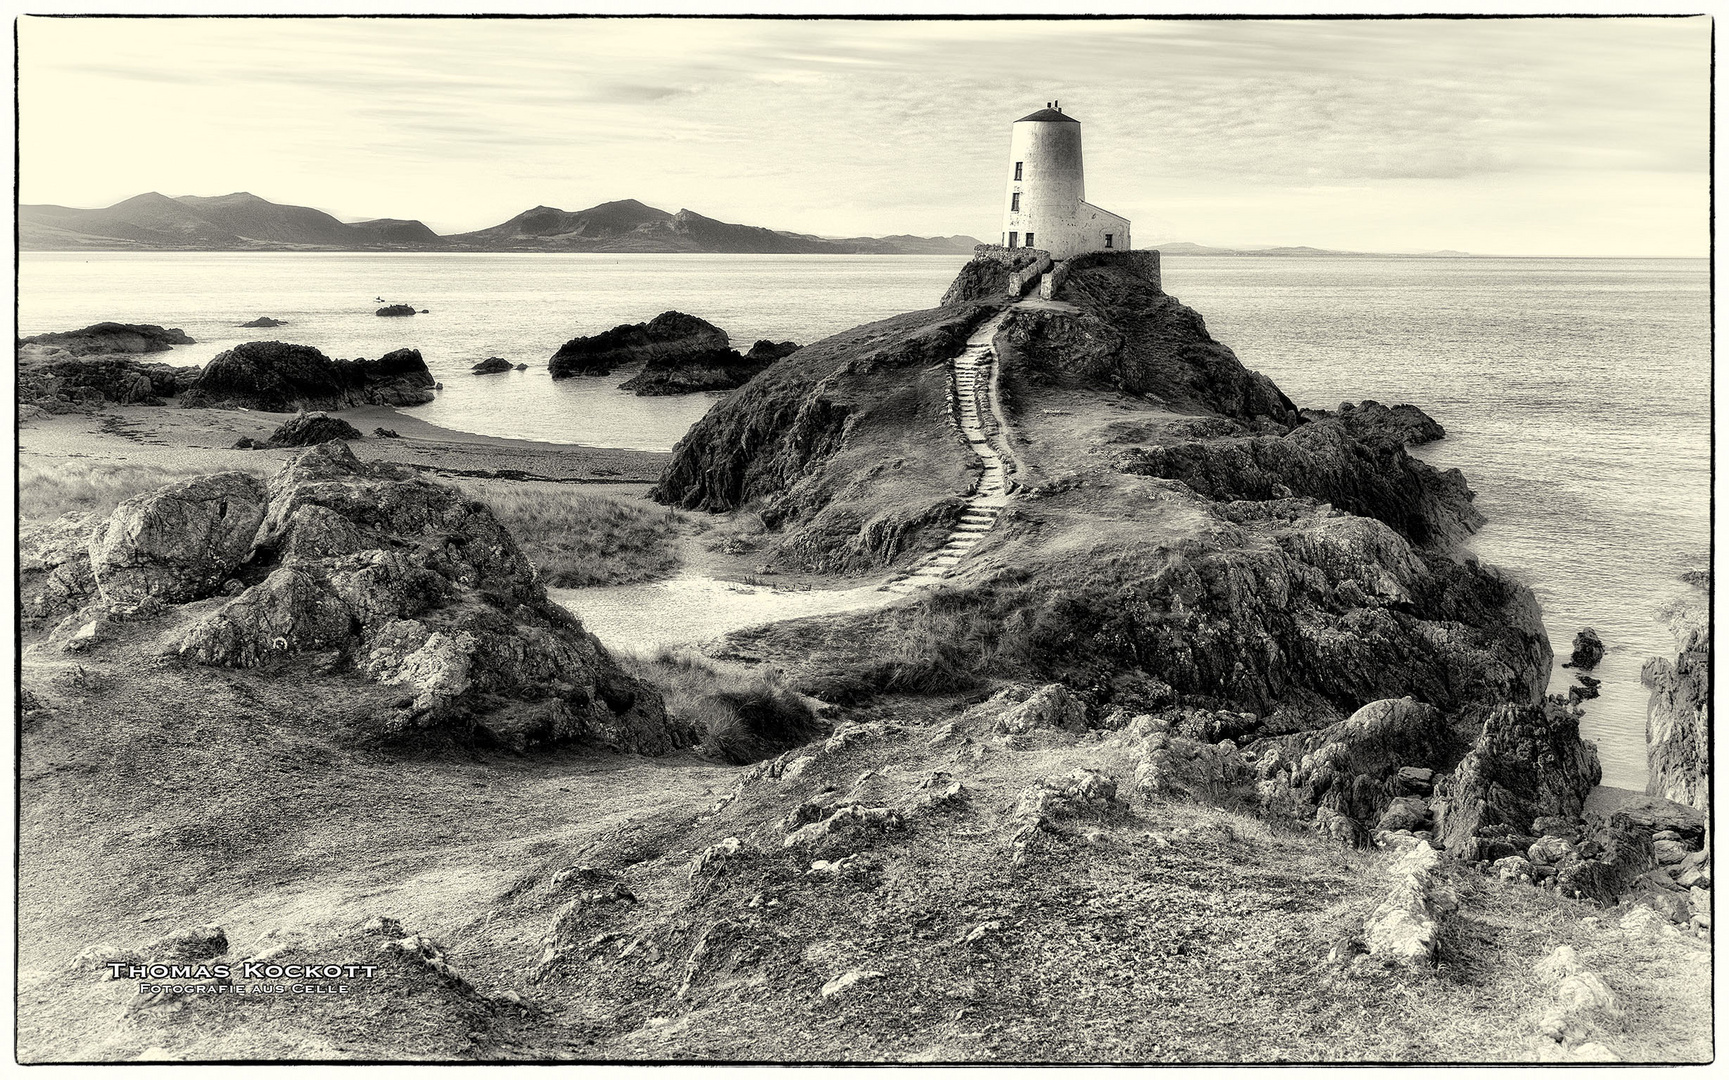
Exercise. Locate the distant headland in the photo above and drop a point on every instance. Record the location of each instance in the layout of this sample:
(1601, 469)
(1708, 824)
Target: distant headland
(245, 222)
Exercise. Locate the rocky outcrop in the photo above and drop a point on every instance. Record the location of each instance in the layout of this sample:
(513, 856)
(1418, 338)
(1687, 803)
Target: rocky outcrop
(392, 311)
(669, 337)
(61, 384)
(263, 322)
(273, 376)
(180, 542)
(1363, 767)
(492, 365)
(986, 277)
(1324, 460)
(717, 369)
(767, 351)
(1527, 763)
(112, 337)
(1131, 336)
(1678, 718)
(1375, 423)
(310, 429)
(420, 587)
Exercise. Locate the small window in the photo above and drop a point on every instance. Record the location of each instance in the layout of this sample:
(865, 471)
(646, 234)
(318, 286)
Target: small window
(1029, 239)
(1015, 201)
(1013, 238)
(1110, 240)
(1018, 170)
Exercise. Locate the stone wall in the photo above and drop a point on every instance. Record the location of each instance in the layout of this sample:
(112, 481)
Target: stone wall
(1145, 265)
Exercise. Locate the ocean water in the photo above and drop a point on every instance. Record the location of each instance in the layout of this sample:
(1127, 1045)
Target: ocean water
(1575, 392)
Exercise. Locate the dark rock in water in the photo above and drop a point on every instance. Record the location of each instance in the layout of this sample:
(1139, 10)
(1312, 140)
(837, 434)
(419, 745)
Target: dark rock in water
(1528, 763)
(671, 335)
(426, 590)
(492, 365)
(522, 367)
(391, 311)
(1587, 650)
(1678, 718)
(1586, 690)
(263, 321)
(112, 337)
(274, 376)
(768, 350)
(385, 433)
(179, 542)
(425, 311)
(1375, 423)
(311, 429)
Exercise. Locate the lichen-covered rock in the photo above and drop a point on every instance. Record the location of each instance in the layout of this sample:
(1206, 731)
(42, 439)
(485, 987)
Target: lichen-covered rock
(423, 588)
(1052, 706)
(54, 575)
(179, 542)
(273, 376)
(1403, 928)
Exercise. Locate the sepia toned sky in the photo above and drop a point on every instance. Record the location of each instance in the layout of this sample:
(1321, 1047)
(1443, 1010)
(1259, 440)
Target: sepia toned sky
(1547, 136)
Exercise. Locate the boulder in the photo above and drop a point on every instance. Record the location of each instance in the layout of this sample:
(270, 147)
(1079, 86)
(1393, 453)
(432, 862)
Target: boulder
(385, 433)
(393, 311)
(309, 429)
(1587, 650)
(54, 574)
(1403, 928)
(669, 336)
(769, 351)
(1053, 706)
(273, 376)
(112, 337)
(492, 365)
(422, 588)
(179, 542)
(1408, 813)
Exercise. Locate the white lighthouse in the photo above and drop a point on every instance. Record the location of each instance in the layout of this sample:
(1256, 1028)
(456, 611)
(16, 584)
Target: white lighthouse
(1045, 206)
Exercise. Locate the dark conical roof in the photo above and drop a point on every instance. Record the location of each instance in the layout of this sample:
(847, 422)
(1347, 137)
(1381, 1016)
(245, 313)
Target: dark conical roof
(1047, 116)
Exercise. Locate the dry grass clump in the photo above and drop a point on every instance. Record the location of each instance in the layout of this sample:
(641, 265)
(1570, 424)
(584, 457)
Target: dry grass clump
(747, 715)
(47, 490)
(578, 539)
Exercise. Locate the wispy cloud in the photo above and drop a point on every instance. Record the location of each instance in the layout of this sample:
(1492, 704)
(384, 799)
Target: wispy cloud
(851, 127)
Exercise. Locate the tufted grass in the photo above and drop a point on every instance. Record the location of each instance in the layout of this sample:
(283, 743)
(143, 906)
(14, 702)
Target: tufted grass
(47, 490)
(578, 539)
(747, 715)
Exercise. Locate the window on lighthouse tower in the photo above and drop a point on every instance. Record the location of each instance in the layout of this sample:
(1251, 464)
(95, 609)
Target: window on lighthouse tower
(1018, 170)
(1015, 201)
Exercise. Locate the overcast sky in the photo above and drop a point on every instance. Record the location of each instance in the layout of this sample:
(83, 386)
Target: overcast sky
(1541, 136)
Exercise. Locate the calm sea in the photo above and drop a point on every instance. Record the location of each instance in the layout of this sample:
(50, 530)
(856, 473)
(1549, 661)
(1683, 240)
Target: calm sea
(1575, 392)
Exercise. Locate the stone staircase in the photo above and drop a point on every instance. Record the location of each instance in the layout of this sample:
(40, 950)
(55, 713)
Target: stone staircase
(972, 386)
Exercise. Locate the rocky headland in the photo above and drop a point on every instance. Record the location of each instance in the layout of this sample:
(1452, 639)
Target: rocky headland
(1678, 723)
(1216, 742)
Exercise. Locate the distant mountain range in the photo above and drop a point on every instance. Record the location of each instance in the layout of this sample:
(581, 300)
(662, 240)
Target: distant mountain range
(1183, 247)
(245, 222)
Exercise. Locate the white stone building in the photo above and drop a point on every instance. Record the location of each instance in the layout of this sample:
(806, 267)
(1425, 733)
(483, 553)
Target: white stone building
(1045, 206)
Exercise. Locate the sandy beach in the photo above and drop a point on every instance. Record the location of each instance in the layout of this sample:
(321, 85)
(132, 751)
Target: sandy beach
(203, 439)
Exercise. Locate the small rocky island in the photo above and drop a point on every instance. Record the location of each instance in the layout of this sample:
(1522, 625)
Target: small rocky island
(679, 354)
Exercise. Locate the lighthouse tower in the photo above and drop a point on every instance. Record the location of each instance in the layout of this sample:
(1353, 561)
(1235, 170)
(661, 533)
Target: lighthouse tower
(1045, 206)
